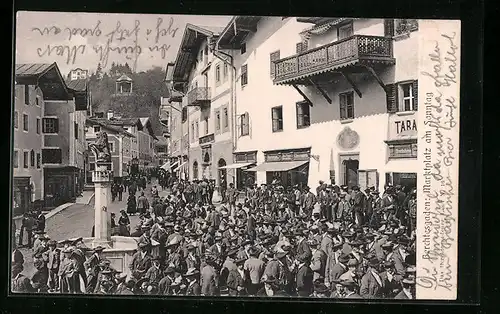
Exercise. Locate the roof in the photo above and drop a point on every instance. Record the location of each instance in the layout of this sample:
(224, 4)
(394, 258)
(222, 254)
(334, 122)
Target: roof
(46, 76)
(124, 77)
(108, 126)
(79, 85)
(188, 50)
(120, 121)
(144, 121)
(237, 30)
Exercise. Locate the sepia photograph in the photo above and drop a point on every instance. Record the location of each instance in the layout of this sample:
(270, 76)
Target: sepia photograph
(235, 156)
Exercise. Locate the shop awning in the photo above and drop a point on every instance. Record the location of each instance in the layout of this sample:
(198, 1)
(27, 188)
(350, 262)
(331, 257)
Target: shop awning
(237, 165)
(278, 166)
(166, 166)
(181, 165)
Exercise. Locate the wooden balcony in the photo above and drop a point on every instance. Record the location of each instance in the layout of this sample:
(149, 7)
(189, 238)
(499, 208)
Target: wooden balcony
(352, 51)
(199, 96)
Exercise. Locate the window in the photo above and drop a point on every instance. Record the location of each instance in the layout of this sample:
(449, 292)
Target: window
(16, 120)
(345, 31)
(38, 160)
(99, 115)
(50, 125)
(51, 156)
(206, 126)
(225, 72)
(277, 115)
(111, 147)
(32, 158)
(217, 74)
(243, 48)
(76, 130)
(25, 122)
(196, 130)
(217, 120)
(201, 56)
(274, 56)
(97, 129)
(26, 94)
(192, 132)
(403, 150)
(407, 97)
(244, 75)
(25, 159)
(206, 55)
(15, 159)
(184, 114)
(92, 166)
(226, 118)
(301, 47)
(346, 105)
(37, 125)
(37, 102)
(303, 114)
(244, 124)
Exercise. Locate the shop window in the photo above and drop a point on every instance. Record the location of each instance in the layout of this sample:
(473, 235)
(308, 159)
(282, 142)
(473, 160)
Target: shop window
(32, 158)
(50, 125)
(303, 114)
(25, 122)
(346, 101)
(244, 75)
(25, 160)
(244, 124)
(277, 116)
(403, 150)
(16, 120)
(15, 159)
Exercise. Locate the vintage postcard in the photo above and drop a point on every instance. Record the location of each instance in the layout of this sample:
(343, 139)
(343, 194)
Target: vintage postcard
(235, 156)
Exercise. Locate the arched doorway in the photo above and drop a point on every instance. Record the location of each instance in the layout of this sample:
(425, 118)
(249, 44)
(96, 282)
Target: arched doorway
(195, 170)
(222, 173)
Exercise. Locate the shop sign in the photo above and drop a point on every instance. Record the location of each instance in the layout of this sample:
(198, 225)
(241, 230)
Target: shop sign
(403, 127)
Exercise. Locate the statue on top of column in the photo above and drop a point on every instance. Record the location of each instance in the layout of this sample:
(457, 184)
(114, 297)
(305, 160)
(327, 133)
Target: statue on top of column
(101, 148)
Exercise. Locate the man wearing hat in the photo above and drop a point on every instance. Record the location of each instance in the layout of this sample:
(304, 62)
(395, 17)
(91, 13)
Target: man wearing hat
(302, 248)
(40, 277)
(304, 277)
(399, 255)
(350, 289)
(19, 282)
(228, 265)
(92, 268)
(120, 279)
(391, 282)
(66, 272)
(166, 285)
(53, 261)
(318, 261)
(339, 268)
(141, 260)
(193, 286)
(154, 273)
(255, 268)
(371, 283)
(358, 200)
(237, 280)
(321, 291)
(192, 259)
(174, 258)
(209, 278)
(308, 201)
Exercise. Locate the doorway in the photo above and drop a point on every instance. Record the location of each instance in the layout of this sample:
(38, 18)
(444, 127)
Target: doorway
(349, 166)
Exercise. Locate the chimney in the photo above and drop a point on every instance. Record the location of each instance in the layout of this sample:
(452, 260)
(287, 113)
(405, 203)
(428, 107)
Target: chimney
(110, 114)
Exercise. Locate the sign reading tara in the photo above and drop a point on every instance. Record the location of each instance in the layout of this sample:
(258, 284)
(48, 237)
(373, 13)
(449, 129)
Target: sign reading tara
(402, 127)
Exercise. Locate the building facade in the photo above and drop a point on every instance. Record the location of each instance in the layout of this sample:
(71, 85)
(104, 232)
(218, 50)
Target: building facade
(330, 99)
(120, 146)
(204, 79)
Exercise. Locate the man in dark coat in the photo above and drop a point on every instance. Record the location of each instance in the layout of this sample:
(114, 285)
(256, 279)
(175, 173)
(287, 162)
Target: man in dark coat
(237, 279)
(92, 268)
(192, 277)
(304, 278)
(302, 248)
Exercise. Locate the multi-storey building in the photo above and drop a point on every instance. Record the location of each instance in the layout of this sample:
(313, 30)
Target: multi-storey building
(51, 146)
(325, 99)
(204, 79)
(120, 146)
(78, 74)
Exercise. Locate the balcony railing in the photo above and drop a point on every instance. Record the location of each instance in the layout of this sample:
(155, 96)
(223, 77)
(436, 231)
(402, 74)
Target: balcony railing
(337, 54)
(198, 96)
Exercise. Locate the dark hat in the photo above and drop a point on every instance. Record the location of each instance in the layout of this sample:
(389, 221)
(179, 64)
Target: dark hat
(373, 262)
(253, 251)
(169, 270)
(232, 251)
(388, 264)
(269, 279)
(302, 258)
(247, 241)
(387, 245)
(98, 249)
(280, 255)
(240, 261)
(313, 242)
(355, 243)
(355, 188)
(68, 250)
(403, 240)
(338, 245)
(408, 281)
(344, 258)
(106, 272)
(52, 243)
(348, 234)
(348, 283)
(369, 235)
(120, 276)
(191, 272)
(321, 288)
(141, 281)
(156, 259)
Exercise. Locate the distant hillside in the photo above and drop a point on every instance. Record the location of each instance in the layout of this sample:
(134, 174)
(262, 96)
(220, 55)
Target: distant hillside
(147, 89)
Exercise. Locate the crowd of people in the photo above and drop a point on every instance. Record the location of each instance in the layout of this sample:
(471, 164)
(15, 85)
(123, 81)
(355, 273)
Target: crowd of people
(272, 241)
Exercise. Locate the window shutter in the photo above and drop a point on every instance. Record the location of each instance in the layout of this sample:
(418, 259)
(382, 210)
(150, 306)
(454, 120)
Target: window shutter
(389, 27)
(343, 107)
(246, 124)
(415, 94)
(392, 98)
(274, 56)
(298, 48)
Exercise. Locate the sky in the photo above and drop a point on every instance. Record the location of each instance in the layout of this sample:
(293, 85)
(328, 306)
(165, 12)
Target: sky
(82, 40)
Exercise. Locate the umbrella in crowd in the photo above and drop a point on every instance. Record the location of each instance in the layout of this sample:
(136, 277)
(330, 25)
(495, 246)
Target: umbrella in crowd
(339, 242)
